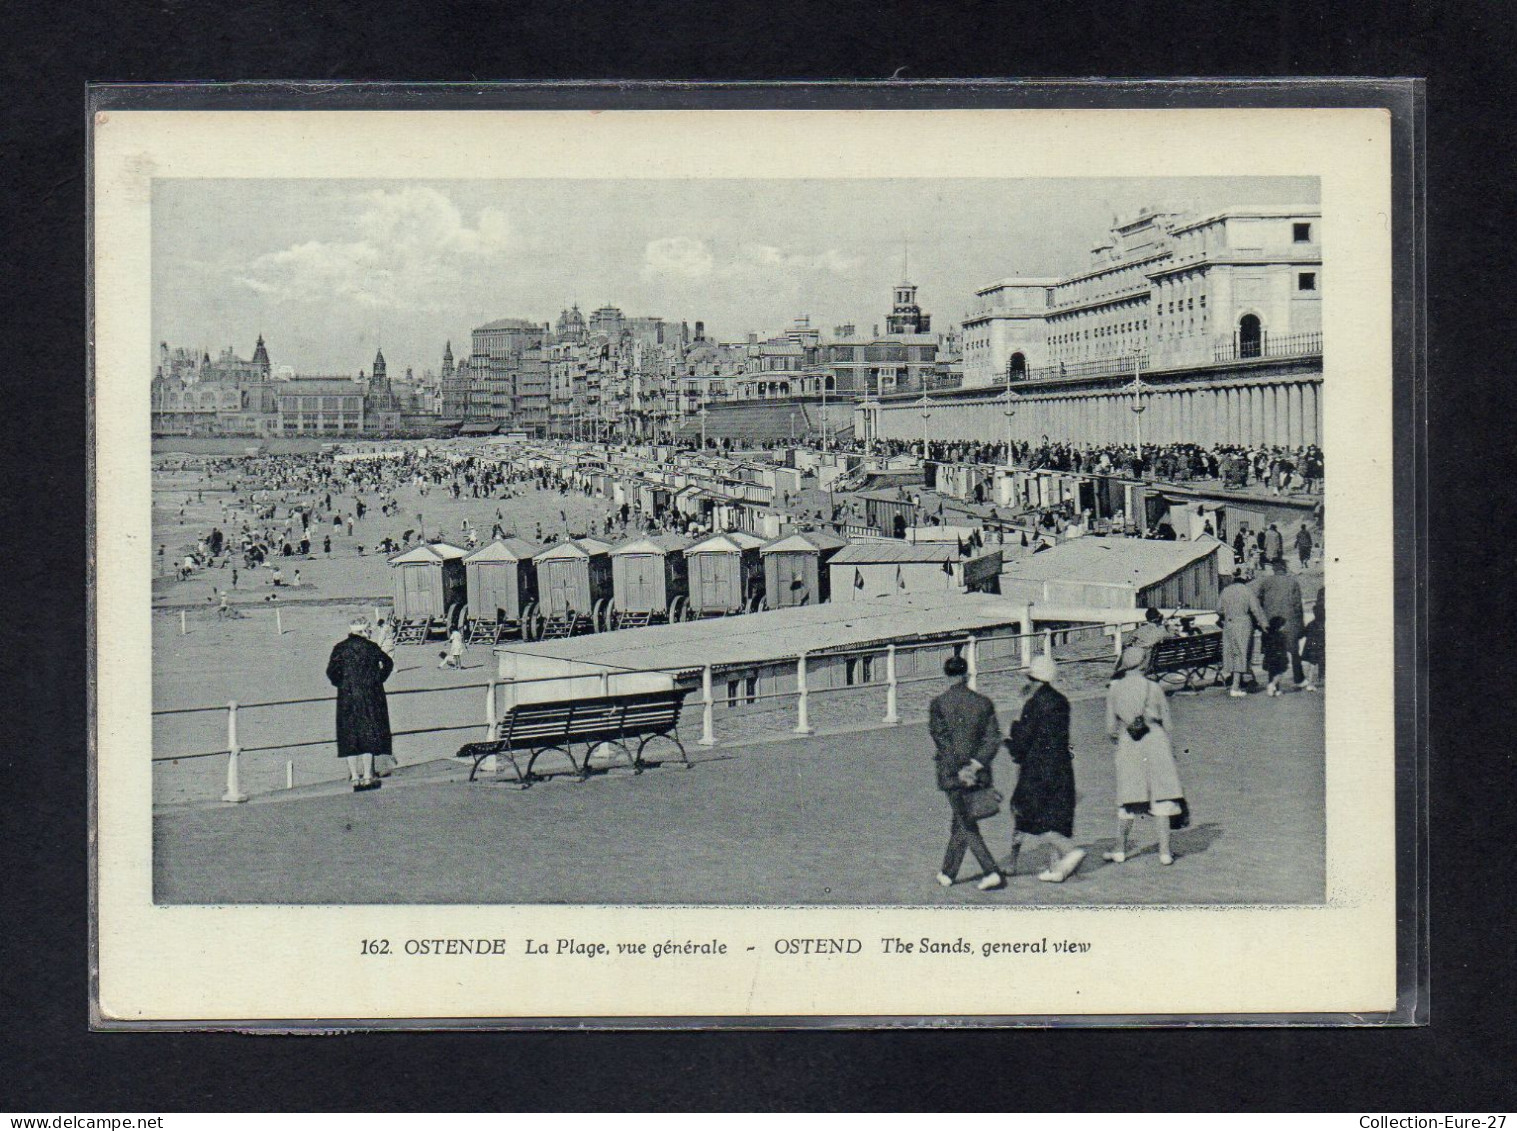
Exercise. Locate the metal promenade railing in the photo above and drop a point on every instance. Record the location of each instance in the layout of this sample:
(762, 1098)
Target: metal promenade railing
(845, 689)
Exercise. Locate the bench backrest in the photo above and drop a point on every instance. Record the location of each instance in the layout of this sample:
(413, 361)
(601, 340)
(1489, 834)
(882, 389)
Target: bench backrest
(1180, 649)
(586, 719)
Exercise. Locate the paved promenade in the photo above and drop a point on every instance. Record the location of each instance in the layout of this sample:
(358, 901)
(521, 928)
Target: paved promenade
(840, 818)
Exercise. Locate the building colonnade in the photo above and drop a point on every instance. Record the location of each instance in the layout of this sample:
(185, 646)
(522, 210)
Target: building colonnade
(1276, 411)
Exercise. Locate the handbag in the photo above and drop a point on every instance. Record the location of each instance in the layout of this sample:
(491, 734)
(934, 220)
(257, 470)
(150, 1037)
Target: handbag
(1137, 728)
(982, 803)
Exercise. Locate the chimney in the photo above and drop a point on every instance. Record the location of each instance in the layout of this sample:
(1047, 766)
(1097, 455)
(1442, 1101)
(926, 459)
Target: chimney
(700, 331)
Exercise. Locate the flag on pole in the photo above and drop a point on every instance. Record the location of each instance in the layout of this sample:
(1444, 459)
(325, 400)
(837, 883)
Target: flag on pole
(948, 567)
(858, 579)
(900, 582)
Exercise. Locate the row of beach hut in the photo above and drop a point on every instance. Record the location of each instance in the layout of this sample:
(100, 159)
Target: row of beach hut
(513, 588)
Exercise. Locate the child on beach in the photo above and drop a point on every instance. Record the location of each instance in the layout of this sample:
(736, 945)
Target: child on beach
(453, 656)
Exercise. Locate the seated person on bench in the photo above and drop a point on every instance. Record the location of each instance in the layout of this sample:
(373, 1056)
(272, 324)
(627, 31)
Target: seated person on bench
(1147, 634)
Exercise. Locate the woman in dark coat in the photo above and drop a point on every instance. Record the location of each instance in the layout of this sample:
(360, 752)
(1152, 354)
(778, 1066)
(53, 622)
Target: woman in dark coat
(358, 669)
(1043, 803)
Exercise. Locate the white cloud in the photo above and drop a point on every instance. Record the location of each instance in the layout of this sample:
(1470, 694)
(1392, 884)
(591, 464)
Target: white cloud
(768, 257)
(408, 247)
(679, 257)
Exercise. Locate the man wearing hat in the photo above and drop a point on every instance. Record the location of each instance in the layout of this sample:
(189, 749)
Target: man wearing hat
(1043, 802)
(1279, 595)
(966, 736)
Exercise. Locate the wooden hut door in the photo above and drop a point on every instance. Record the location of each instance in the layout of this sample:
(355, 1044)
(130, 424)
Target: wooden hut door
(709, 588)
(419, 601)
(642, 583)
(560, 591)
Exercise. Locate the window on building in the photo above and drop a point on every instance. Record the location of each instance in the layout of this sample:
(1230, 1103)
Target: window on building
(1301, 233)
(1306, 281)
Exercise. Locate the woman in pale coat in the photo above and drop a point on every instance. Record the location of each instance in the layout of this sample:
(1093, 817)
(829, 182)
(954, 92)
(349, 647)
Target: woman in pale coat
(1147, 781)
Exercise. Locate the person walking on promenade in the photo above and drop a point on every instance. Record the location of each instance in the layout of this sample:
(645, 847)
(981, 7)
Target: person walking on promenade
(1138, 720)
(1279, 595)
(1304, 545)
(1239, 611)
(1276, 655)
(1314, 645)
(1274, 546)
(1043, 802)
(358, 669)
(965, 736)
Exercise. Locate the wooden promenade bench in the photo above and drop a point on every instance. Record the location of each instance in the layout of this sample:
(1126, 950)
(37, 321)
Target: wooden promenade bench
(1188, 658)
(615, 721)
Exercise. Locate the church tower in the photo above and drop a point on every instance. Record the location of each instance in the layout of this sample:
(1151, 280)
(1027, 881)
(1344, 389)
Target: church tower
(380, 377)
(447, 361)
(906, 316)
(261, 360)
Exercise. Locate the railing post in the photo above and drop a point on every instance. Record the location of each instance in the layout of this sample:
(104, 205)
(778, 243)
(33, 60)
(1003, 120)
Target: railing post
(708, 730)
(491, 764)
(1026, 638)
(892, 717)
(1048, 642)
(802, 706)
(1116, 637)
(233, 792)
(605, 684)
(972, 658)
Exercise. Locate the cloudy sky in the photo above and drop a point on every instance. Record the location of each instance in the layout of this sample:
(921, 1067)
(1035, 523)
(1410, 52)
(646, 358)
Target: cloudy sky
(328, 270)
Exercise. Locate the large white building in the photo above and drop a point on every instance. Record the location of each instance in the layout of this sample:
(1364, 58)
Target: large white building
(1164, 291)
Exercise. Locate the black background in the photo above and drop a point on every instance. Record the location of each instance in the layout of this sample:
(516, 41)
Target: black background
(1463, 1060)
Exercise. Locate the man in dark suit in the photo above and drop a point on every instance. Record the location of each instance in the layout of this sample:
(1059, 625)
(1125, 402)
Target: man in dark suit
(966, 736)
(1280, 596)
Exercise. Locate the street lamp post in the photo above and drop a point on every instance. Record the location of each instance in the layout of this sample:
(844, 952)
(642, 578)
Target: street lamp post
(702, 415)
(1009, 412)
(1138, 407)
(825, 429)
(926, 409)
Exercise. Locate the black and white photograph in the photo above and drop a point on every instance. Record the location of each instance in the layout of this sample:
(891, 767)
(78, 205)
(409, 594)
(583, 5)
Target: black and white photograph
(751, 534)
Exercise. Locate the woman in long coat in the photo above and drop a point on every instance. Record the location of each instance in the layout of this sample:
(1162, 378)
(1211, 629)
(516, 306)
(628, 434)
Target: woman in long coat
(358, 669)
(1147, 781)
(1043, 802)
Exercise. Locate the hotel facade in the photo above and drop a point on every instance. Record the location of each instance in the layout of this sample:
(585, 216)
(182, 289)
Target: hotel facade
(1217, 318)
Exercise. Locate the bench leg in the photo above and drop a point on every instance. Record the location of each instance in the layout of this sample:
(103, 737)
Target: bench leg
(532, 775)
(674, 738)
